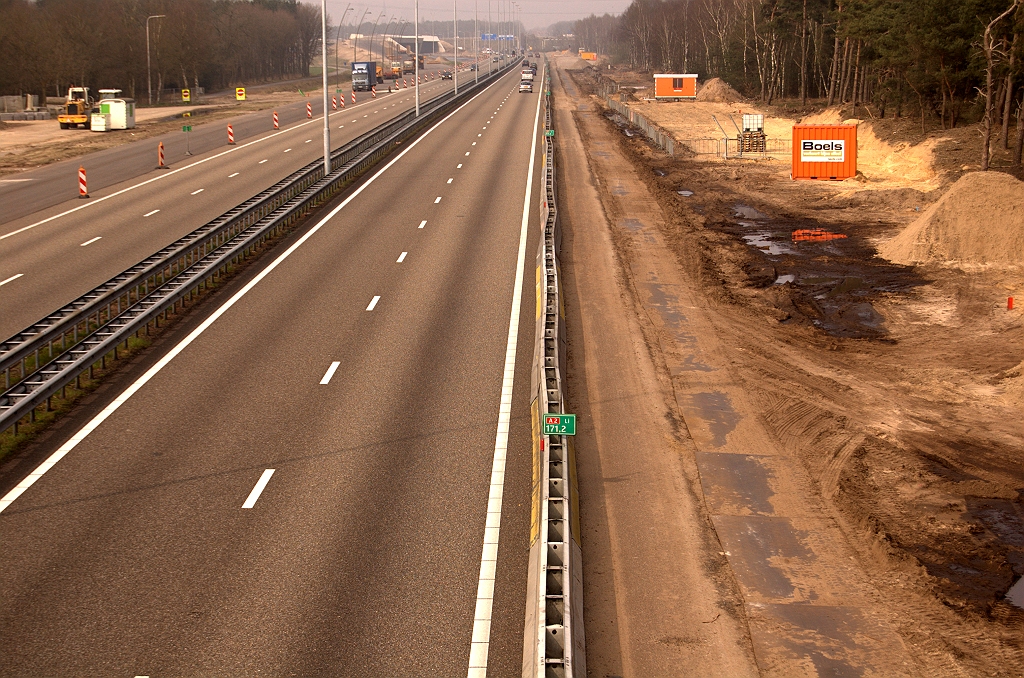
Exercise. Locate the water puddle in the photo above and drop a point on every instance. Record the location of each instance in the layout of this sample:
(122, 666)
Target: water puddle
(685, 194)
(762, 241)
(633, 224)
(783, 279)
(748, 212)
(717, 412)
(1016, 593)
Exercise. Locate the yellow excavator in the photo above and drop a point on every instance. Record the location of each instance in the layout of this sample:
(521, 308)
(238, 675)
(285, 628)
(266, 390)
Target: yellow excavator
(77, 108)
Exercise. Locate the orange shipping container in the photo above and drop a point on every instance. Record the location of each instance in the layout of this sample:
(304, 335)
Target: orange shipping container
(675, 86)
(588, 56)
(827, 152)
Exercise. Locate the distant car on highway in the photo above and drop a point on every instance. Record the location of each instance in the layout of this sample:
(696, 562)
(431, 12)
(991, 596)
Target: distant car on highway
(447, 75)
(526, 86)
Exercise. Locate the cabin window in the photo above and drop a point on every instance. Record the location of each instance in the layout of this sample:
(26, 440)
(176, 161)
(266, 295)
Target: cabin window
(677, 83)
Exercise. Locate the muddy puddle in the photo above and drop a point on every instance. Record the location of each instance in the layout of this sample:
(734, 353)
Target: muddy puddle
(830, 273)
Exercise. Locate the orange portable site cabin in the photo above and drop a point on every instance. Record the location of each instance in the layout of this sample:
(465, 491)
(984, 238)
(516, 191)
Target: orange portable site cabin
(675, 86)
(588, 56)
(827, 152)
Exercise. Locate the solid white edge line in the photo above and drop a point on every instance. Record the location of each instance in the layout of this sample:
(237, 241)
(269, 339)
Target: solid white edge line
(18, 275)
(121, 399)
(330, 373)
(373, 303)
(257, 489)
(91, 241)
(481, 639)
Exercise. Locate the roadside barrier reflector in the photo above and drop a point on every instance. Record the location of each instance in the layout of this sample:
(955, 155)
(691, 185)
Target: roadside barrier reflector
(277, 125)
(309, 110)
(160, 157)
(83, 191)
(231, 135)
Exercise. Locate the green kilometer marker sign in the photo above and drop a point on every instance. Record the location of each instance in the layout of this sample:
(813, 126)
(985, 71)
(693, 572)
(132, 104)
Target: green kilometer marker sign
(559, 424)
(186, 128)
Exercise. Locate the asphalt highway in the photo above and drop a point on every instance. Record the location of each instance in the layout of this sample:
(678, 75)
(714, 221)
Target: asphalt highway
(28, 192)
(53, 255)
(298, 482)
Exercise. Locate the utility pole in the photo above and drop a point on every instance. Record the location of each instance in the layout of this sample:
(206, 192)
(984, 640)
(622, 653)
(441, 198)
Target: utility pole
(327, 124)
(149, 73)
(476, 39)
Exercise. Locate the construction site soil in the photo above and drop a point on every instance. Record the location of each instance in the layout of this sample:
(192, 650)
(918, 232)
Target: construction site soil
(897, 386)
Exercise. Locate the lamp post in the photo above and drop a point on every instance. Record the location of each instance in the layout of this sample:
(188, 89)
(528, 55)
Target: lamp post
(373, 32)
(337, 41)
(327, 124)
(476, 41)
(416, 41)
(383, 37)
(149, 73)
(455, 43)
(355, 40)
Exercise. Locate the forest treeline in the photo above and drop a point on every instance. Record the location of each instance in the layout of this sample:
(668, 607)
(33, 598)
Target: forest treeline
(947, 58)
(47, 45)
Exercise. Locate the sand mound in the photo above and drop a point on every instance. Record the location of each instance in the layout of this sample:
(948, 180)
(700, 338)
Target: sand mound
(830, 116)
(980, 220)
(716, 90)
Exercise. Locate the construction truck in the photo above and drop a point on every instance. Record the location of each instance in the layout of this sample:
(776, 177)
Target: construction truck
(408, 67)
(76, 108)
(396, 70)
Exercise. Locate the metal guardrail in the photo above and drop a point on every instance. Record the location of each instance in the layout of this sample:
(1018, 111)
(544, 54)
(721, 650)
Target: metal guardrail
(663, 139)
(554, 643)
(85, 331)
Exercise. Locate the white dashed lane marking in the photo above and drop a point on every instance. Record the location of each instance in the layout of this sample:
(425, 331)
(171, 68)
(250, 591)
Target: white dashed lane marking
(18, 275)
(326, 379)
(423, 223)
(373, 303)
(233, 175)
(197, 192)
(258, 489)
(401, 257)
(149, 214)
(89, 242)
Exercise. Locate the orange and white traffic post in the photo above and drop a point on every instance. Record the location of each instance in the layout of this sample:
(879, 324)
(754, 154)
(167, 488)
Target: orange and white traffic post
(353, 96)
(277, 124)
(373, 91)
(160, 157)
(309, 110)
(334, 102)
(231, 136)
(83, 191)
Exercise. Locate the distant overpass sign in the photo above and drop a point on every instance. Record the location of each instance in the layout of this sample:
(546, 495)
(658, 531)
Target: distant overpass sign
(489, 36)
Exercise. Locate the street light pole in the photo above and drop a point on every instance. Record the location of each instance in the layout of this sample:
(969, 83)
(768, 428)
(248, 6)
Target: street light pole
(455, 43)
(327, 124)
(476, 40)
(355, 40)
(149, 72)
(337, 43)
(416, 40)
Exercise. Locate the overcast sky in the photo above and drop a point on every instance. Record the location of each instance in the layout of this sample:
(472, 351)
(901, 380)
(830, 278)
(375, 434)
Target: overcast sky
(535, 13)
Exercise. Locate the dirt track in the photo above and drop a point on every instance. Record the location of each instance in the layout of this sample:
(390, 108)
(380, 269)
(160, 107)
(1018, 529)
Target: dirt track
(856, 430)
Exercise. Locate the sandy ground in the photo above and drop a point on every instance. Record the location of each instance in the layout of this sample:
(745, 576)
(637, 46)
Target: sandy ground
(856, 422)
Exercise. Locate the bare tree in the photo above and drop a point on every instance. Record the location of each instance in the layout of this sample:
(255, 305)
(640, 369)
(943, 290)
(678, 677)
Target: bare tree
(988, 44)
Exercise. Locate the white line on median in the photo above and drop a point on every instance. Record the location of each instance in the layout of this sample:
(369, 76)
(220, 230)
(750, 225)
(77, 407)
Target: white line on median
(481, 638)
(330, 373)
(258, 489)
(94, 423)
(401, 257)
(423, 223)
(373, 303)
(13, 277)
(89, 242)
(149, 214)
